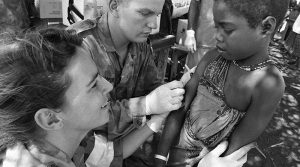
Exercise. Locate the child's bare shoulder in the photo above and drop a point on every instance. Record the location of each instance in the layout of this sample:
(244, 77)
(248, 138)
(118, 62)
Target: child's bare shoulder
(270, 78)
(207, 58)
(210, 56)
(269, 85)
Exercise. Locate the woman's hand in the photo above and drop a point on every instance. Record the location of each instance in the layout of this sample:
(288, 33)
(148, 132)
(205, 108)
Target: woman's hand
(236, 159)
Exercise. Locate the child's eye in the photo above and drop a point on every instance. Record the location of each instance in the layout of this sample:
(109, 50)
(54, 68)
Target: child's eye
(228, 31)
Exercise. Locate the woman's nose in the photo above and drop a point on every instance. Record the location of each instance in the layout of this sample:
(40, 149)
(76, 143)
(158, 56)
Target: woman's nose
(107, 87)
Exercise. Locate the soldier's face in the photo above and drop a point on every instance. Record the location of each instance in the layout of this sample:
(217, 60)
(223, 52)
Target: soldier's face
(137, 18)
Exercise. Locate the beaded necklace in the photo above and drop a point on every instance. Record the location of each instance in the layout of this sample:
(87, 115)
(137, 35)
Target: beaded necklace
(253, 67)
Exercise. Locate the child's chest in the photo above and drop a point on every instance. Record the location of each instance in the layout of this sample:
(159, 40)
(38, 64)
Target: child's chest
(238, 89)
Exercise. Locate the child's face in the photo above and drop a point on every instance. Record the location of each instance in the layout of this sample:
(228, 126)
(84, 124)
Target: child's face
(235, 39)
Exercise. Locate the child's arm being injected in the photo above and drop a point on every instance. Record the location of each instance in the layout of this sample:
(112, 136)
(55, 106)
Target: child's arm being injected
(264, 101)
(175, 121)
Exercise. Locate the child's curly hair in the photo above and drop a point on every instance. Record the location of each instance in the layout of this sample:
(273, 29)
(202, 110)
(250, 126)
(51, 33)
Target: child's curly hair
(257, 10)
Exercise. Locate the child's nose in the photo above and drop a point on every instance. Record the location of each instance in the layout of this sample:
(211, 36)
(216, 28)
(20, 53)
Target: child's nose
(218, 36)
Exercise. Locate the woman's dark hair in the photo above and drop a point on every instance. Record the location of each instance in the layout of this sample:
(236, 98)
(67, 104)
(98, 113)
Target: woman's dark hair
(31, 78)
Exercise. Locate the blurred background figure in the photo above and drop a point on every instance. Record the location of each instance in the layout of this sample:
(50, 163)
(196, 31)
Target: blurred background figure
(292, 43)
(15, 14)
(199, 37)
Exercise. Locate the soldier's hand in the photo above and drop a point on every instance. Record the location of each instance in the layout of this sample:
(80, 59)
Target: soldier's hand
(166, 98)
(188, 75)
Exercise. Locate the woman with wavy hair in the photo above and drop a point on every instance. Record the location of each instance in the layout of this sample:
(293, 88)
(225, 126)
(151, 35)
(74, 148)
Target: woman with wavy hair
(51, 96)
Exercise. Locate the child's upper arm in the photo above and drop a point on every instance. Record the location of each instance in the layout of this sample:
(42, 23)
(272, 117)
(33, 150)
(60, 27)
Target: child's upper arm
(264, 101)
(266, 97)
(175, 119)
(192, 85)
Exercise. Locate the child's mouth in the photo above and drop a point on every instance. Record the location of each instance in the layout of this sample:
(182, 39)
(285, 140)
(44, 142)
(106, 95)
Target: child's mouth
(221, 50)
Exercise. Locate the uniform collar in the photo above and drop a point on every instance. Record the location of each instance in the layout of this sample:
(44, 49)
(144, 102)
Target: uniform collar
(47, 148)
(104, 29)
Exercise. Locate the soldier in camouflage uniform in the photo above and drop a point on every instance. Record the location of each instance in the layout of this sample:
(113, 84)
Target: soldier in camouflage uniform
(122, 52)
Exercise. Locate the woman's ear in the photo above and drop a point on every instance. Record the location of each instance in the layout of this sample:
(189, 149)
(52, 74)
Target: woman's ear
(113, 7)
(48, 119)
(268, 25)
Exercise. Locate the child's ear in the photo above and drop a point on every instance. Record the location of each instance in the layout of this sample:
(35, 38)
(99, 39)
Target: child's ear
(48, 119)
(268, 25)
(113, 7)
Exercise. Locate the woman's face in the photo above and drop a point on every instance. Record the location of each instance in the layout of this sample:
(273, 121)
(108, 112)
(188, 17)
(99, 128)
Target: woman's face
(86, 100)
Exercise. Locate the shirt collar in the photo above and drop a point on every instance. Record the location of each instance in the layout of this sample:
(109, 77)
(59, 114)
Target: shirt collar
(47, 148)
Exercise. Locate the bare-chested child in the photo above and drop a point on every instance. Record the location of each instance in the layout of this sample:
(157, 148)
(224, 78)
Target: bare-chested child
(236, 87)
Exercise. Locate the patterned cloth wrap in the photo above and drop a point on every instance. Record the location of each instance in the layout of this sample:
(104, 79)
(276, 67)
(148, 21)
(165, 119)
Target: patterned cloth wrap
(209, 120)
